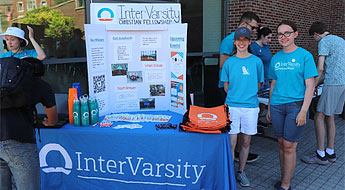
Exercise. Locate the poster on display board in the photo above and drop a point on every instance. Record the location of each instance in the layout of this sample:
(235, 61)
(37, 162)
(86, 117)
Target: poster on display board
(136, 14)
(137, 69)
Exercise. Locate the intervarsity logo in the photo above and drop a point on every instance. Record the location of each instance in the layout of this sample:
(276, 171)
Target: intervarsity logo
(290, 65)
(99, 168)
(105, 14)
(43, 159)
(207, 116)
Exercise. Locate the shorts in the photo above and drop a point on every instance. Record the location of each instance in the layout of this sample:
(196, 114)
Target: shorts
(244, 120)
(284, 121)
(331, 100)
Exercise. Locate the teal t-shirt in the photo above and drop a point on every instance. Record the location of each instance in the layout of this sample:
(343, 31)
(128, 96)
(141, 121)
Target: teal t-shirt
(290, 70)
(21, 55)
(226, 47)
(264, 53)
(243, 75)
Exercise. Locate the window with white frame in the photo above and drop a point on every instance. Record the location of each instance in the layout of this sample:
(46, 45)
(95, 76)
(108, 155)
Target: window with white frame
(20, 7)
(43, 3)
(79, 3)
(31, 4)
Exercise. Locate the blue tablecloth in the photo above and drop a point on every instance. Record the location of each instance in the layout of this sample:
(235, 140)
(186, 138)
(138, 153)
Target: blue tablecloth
(106, 158)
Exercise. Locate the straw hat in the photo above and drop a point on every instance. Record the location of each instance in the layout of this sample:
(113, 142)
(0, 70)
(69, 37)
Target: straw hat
(14, 31)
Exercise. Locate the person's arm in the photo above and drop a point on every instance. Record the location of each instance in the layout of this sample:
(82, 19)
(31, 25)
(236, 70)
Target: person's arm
(268, 114)
(40, 53)
(222, 60)
(320, 68)
(301, 118)
(52, 116)
(226, 87)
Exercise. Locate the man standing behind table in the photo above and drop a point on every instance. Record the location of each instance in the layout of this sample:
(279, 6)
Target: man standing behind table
(249, 20)
(332, 63)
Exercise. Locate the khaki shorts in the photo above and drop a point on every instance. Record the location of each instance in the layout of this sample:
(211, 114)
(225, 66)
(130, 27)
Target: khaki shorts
(332, 100)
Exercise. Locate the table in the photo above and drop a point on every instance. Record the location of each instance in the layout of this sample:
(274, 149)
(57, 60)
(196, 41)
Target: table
(107, 158)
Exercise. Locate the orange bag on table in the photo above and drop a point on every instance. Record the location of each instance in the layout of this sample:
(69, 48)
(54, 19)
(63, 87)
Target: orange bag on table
(206, 120)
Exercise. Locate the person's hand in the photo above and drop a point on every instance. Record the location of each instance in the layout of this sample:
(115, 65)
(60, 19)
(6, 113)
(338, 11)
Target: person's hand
(46, 123)
(31, 32)
(301, 118)
(268, 115)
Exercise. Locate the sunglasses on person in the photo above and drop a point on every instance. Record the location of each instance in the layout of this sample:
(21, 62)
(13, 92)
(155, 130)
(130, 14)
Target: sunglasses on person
(252, 27)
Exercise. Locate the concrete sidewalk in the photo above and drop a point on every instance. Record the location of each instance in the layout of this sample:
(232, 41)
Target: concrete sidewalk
(265, 172)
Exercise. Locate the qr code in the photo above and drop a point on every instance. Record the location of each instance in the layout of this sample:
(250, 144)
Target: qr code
(98, 83)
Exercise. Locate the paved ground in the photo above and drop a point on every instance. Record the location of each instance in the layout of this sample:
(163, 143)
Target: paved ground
(265, 172)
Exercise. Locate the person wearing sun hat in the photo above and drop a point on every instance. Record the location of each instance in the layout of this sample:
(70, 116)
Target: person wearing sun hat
(16, 42)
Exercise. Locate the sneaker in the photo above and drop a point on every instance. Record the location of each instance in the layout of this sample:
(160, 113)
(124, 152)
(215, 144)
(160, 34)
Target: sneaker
(317, 159)
(331, 158)
(251, 157)
(242, 178)
(260, 130)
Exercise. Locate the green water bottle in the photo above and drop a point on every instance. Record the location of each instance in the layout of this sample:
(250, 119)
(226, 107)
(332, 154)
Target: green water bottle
(85, 114)
(97, 114)
(76, 112)
(93, 110)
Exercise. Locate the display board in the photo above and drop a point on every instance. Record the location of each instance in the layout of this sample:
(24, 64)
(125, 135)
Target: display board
(136, 56)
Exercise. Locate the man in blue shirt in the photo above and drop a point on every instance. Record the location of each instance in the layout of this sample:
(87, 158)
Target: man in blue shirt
(249, 20)
(331, 102)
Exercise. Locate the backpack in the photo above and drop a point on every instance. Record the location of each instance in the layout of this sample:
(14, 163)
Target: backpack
(206, 120)
(16, 82)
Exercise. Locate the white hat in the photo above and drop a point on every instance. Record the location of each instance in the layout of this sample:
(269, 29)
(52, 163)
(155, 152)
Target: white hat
(14, 31)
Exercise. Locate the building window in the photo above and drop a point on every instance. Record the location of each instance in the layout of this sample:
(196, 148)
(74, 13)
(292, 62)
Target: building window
(20, 7)
(79, 3)
(43, 3)
(8, 9)
(31, 4)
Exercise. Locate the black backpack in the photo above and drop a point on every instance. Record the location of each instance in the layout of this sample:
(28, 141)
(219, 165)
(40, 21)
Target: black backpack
(16, 82)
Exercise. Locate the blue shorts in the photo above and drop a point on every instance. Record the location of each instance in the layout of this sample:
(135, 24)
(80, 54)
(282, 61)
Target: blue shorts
(284, 121)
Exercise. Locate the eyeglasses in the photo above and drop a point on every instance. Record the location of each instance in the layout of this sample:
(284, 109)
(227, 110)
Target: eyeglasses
(286, 34)
(252, 27)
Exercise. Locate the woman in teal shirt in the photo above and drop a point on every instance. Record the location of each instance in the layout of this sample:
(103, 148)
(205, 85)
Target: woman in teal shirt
(261, 49)
(16, 42)
(292, 71)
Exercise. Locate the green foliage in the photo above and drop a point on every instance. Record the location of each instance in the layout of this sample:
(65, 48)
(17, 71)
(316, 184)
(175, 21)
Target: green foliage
(57, 26)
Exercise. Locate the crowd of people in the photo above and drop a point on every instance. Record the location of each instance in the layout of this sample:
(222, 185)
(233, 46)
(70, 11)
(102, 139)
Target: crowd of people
(291, 76)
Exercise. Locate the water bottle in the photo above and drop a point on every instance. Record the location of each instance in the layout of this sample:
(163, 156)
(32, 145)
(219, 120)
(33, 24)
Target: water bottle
(84, 110)
(93, 111)
(97, 113)
(76, 112)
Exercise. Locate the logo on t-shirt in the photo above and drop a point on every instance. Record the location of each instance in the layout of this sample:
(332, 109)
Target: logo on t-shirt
(245, 71)
(290, 65)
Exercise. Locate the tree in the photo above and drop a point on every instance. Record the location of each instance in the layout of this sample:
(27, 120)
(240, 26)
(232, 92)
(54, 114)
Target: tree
(57, 26)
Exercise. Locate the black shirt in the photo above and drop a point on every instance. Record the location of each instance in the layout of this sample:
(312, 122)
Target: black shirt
(17, 123)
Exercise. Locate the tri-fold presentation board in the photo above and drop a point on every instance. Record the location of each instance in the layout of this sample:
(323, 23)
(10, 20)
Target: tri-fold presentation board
(137, 63)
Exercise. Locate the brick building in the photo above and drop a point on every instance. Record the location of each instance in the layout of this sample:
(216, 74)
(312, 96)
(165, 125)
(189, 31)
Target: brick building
(303, 13)
(74, 9)
(70, 8)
